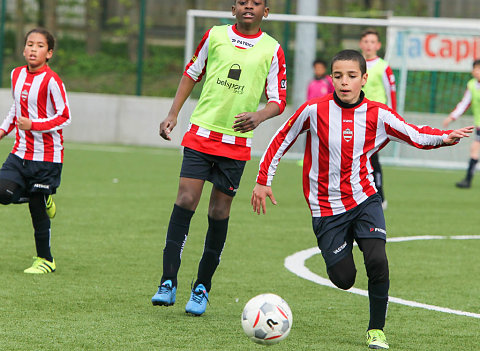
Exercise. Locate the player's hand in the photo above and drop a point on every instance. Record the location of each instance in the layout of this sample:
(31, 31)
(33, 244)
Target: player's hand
(246, 121)
(447, 121)
(458, 134)
(24, 123)
(259, 194)
(167, 126)
(2, 134)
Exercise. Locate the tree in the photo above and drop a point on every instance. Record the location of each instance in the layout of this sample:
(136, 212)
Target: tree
(93, 26)
(19, 29)
(48, 14)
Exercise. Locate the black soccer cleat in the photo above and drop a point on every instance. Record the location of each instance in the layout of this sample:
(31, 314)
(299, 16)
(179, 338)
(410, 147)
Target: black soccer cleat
(464, 184)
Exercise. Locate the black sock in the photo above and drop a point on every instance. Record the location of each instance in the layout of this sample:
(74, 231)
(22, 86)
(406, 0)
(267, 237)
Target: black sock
(471, 169)
(41, 225)
(176, 236)
(214, 243)
(378, 297)
(42, 239)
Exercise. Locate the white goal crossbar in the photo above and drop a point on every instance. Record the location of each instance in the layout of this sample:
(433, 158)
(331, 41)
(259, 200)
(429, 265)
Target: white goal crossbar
(421, 22)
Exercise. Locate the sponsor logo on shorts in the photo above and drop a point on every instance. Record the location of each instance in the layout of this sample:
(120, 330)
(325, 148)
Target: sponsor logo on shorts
(41, 186)
(344, 245)
(383, 231)
(232, 189)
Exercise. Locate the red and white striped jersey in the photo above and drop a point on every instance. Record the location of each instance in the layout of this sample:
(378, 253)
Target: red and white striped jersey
(41, 97)
(341, 139)
(275, 92)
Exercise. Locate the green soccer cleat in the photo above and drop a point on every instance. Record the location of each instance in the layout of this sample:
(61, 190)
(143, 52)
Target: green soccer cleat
(50, 207)
(41, 266)
(376, 339)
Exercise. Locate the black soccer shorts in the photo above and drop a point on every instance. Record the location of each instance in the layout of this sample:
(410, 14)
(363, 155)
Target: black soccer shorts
(32, 176)
(225, 173)
(335, 234)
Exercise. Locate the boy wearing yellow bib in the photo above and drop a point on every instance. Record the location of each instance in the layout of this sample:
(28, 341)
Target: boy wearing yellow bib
(470, 98)
(379, 87)
(240, 62)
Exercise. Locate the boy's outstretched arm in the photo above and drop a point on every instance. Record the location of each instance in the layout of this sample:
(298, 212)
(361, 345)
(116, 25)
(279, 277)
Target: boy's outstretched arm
(247, 121)
(259, 194)
(458, 134)
(183, 92)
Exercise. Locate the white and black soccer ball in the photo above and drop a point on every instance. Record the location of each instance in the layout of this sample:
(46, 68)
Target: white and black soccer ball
(267, 319)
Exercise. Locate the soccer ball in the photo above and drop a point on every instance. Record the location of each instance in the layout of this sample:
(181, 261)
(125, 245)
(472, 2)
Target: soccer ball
(267, 319)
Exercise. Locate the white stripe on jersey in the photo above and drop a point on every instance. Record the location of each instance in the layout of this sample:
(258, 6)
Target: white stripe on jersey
(314, 169)
(272, 85)
(359, 141)
(335, 154)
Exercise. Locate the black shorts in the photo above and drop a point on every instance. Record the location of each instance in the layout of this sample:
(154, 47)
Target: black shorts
(223, 172)
(477, 134)
(335, 234)
(32, 176)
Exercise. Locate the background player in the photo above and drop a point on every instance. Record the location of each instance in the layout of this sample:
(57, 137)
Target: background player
(343, 130)
(470, 98)
(321, 84)
(33, 169)
(239, 62)
(380, 87)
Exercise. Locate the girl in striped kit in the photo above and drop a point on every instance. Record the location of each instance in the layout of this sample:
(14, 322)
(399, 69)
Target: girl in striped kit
(33, 169)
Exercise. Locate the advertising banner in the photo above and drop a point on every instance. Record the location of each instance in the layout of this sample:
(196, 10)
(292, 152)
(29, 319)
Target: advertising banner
(432, 50)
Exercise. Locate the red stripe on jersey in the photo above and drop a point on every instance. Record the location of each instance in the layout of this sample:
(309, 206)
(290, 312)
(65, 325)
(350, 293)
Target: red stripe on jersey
(307, 166)
(42, 99)
(393, 93)
(15, 75)
(282, 79)
(24, 108)
(347, 142)
(323, 157)
(369, 144)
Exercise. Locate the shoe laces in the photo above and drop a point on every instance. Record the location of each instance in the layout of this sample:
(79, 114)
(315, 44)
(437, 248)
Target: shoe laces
(165, 289)
(199, 295)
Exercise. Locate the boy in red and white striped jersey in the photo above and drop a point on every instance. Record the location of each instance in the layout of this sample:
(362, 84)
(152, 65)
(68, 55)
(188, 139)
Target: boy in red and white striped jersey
(240, 63)
(343, 130)
(33, 169)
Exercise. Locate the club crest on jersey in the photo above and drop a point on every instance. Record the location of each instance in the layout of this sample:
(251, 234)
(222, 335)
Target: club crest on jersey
(24, 94)
(347, 134)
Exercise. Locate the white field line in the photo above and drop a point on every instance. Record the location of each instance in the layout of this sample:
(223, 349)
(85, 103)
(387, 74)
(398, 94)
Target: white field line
(296, 264)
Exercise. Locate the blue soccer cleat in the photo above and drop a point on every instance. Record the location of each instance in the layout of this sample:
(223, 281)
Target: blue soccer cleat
(198, 301)
(165, 296)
